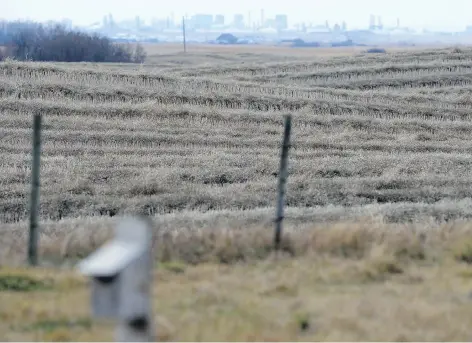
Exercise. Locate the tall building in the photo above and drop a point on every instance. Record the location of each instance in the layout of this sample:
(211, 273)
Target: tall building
(281, 22)
(219, 19)
(238, 21)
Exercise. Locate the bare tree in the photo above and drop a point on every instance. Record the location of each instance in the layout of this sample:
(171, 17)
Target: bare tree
(139, 54)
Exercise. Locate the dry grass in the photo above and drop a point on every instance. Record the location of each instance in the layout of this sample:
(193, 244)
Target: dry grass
(160, 138)
(358, 281)
(194, 142)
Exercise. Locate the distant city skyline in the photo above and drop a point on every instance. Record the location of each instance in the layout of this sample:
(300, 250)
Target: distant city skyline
(448, 15)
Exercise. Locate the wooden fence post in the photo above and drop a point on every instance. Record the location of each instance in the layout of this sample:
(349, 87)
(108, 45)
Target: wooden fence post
(121, 279)
(283, 174)
(34, 201)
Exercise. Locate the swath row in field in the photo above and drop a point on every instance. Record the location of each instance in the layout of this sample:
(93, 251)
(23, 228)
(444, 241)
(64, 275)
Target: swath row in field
(147, 117)
(289, 91)
(418, 58)
(323, 76)
(89, 200)
(136, 93)
(375, 109)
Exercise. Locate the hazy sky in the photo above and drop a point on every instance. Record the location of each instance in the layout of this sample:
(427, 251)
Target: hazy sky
(433, 14)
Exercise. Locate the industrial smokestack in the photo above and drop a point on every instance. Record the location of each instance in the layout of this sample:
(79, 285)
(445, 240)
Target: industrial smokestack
(398, 23)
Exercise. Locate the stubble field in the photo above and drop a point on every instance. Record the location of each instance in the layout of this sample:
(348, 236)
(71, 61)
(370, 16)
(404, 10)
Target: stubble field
(390, 130)
(378, 199)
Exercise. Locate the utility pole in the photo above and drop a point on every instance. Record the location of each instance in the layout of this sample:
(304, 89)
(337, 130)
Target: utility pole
(183, 33)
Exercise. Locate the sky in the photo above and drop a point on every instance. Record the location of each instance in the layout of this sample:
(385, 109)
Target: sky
(429, 14)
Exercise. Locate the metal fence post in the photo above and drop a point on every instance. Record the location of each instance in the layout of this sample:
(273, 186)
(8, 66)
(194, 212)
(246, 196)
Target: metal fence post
(34, 202)
(283, 174)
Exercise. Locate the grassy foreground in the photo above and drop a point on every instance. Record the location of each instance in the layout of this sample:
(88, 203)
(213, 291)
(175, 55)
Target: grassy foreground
(343, 282)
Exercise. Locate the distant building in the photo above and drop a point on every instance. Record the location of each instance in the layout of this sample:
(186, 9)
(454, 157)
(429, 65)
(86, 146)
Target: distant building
(373, 25)
(269, 23)
(238, 21)
(202, 21)
(281, 22)
(219, 19)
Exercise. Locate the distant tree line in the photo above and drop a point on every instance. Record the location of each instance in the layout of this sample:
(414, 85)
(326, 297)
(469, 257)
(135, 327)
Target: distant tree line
(37, 42)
